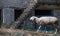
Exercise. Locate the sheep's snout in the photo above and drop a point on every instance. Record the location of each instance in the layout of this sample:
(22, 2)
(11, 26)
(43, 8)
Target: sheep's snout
(31, 19)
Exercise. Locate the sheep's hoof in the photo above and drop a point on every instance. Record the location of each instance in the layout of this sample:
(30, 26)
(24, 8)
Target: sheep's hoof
(55, 33)
(37, 31)
(46, 31)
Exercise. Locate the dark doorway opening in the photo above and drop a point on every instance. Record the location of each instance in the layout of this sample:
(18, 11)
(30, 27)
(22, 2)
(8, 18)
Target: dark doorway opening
(18, 12)
(43, 13)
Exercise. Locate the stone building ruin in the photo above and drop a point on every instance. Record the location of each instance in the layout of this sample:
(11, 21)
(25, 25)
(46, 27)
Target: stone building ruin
(10, 10)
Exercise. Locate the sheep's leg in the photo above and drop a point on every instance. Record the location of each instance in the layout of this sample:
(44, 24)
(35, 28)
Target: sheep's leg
(55, 26)
(55, 30)
(46, 30)
(38, 28)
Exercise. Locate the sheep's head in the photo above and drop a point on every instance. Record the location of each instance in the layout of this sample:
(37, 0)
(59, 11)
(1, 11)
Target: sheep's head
(33, 18)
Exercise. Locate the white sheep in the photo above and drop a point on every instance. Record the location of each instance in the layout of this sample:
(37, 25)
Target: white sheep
(45, 21)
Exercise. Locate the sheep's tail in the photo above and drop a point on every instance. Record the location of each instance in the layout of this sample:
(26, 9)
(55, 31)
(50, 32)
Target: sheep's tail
(58, 27)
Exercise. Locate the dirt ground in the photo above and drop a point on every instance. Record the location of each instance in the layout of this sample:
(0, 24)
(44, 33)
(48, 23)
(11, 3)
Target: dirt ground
(16, 32)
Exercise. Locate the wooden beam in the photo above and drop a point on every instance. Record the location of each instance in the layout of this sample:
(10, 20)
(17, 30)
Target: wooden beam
(48, 6)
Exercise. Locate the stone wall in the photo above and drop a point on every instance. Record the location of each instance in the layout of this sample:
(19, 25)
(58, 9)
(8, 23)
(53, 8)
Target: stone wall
(7, 16)
(21, 3)
(14, 3)
(56, 13)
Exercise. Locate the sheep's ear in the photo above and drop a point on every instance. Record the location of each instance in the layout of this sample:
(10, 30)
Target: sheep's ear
(33, 16)
(34, 19)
